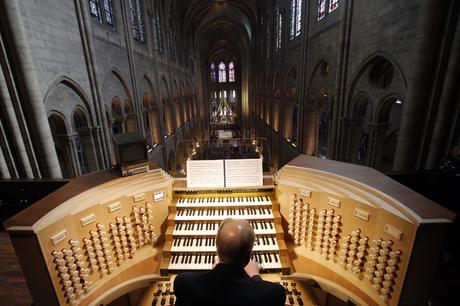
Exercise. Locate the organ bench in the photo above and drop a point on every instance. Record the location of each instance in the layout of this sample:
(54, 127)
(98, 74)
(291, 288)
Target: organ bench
(348, 229)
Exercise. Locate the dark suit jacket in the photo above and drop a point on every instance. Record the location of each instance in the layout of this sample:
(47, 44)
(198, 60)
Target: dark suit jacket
(226, 285)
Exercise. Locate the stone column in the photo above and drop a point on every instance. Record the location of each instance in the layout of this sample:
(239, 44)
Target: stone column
(310, 125)
(4, 171)
(429, 31)
(351, 140)
(154, 127)
(84, 22)
(376, 144)
(31, 96)
(86, 139)
(13, 132)
(444, 124)
(70, 159)
(287, 121)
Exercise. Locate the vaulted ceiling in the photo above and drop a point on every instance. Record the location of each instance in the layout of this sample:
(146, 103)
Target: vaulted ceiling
(218, 24)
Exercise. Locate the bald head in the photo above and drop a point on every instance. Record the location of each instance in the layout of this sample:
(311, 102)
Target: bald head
(234, 241)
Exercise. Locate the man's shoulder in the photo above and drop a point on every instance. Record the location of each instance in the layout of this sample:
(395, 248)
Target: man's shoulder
(187, 277)
(271, 290)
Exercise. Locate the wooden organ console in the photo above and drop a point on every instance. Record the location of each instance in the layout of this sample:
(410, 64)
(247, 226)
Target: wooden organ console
(347, 229)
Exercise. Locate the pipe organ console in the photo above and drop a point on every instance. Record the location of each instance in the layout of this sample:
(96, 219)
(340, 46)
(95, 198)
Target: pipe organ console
(346, 229)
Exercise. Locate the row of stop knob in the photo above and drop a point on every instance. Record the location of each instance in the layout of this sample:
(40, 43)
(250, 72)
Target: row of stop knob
(98, 250)
(382, 266)
(72, 272)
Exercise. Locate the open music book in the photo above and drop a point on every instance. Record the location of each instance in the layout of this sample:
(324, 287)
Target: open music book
(225, 173)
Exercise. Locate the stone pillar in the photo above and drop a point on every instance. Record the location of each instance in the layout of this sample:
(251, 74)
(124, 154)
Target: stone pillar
(167, 119)
(442, 137)
(4, 171)
(287, 131)
(351, 140)
(32, 98)
(154, 127)
(310, 125)
(84, 22)
(431, 19)
(13, 132)
(376, 144)
(70, 159)
(87, 136)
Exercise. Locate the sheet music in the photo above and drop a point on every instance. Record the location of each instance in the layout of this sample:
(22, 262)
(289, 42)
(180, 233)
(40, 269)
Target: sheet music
(243, 172)
(205, 173)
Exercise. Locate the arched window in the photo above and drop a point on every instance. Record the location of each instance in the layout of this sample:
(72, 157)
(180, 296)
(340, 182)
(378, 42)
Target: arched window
(292, 28)
(95, 10)
(157, 28)
(222, 73)
(231, 72)
(321, 9)
(102, 14)
(333, 4)
(296, 18)
(136, 16)
(279, 28)
(213, 72)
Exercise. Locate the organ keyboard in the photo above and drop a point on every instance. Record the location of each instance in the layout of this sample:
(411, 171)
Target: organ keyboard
(347, 229)
(221, 214)
(183, 244)
(224, 201)
(195, 220)
(209, 228)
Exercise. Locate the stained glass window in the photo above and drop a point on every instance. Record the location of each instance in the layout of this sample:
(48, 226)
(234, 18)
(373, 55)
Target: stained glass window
(279, 28)
(136, 14)
(95, 10)
(321, 9)
(222, 73)
(231, 72)
(213, 72)
(158, 31)
(296, 18)
(333, 4)
(298, 22)
(108, 10)
(292, 27)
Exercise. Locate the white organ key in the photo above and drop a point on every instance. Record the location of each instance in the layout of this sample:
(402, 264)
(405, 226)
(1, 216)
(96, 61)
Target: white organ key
(184, 228)
(204, 261)
(224, 201)
(208, 244)
(220, 214)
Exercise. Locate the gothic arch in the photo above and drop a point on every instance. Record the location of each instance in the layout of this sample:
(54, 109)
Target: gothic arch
(68, 82)
(84, 141)
(388, 117)
(365, 67)
(359, 119)
(382, 79)
(79, 118)
(149, 91)
(123, 82)
(384, 107)
(59, 131)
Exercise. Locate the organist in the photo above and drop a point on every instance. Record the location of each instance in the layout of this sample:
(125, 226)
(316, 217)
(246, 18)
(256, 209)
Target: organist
(235, 278)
